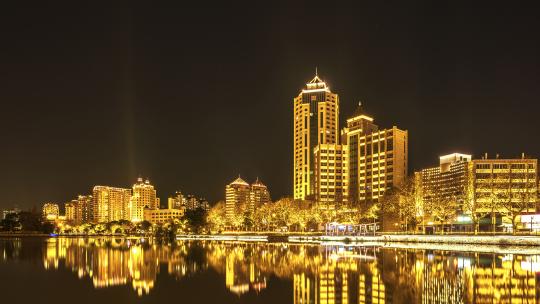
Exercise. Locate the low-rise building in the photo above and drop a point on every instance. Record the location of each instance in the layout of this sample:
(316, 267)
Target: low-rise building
(505, 186)
(160, 216)
(446, 181)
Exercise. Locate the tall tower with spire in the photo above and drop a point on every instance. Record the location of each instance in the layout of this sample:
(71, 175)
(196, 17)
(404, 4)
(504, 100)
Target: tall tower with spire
(316, 121)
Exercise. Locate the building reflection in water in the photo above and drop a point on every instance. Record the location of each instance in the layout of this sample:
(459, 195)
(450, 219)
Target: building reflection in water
(112, 262)
(318, 274)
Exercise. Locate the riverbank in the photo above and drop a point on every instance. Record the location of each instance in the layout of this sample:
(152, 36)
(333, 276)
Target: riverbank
(527, 245)
(499, 240)
(23, 234)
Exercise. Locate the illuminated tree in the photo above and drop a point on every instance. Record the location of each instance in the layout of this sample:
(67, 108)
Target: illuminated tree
(283, 210)
(514, 198)
(404, 202)
(444, 210)
(217, 218)
(476, 207)
(263, 219)
(372, 214)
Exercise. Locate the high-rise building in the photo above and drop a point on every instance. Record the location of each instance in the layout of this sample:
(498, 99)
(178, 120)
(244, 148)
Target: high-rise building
(377, 159)
(259, 194)
(84, 209)
(51, 211)
(111, 204)
(144, 196)
(446, 181)
(71, 211)
(237, 198)
(331, 184)
(316, 121)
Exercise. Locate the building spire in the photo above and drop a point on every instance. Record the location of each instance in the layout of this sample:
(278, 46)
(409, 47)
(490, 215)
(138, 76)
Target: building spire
(316, 72)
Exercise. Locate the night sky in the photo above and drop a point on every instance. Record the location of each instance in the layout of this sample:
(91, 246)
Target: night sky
(192, 96)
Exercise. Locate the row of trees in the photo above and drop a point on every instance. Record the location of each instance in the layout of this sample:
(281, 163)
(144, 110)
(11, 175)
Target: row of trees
(288, 214)
(193, 221)
(28, 221)
(501, 198)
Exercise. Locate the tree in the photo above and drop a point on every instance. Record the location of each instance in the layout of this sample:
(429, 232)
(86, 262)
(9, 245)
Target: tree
(514, 198)
(263, 217)
(196, 219)
(30, 221)
(217, 218)
(282, 211)
(372, 214)
(144, 227)
(11, 222)
(404, 202)
(474, 205)
(247, 220)
(444, 210)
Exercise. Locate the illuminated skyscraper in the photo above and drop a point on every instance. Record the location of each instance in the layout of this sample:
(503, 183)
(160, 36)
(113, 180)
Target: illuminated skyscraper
(316, 121)
(110, 204)
(84, 210)
(71, 211)
(377, 158)
(144, 196)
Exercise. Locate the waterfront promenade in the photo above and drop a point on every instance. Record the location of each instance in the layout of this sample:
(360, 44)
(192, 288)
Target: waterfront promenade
(502, 240)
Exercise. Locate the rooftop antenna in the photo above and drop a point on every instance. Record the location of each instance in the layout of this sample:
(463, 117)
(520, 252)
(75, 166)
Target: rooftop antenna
(316, 72)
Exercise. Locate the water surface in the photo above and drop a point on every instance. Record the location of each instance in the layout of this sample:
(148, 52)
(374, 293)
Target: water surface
(120, 270)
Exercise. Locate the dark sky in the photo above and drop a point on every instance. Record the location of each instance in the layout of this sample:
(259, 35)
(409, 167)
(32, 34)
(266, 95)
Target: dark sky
(192, 96)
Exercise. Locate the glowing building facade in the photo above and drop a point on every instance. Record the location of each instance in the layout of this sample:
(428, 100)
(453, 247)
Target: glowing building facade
(358, 164)
(178, 201)
(50, 211)
(71, 211)
(84, 209)
(331, 178)
(316, 121)
(259, 194)
(377, 159)
(506, 182)
(447, 181)
(237, 198)
(241, 197)
(110, 204)
(160, 216)
(144, 196)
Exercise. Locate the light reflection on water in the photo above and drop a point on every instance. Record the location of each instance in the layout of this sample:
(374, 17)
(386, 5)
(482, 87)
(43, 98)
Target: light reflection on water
(312, 273)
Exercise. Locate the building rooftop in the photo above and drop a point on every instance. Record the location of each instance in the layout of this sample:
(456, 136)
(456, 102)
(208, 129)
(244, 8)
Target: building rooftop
(239, 181)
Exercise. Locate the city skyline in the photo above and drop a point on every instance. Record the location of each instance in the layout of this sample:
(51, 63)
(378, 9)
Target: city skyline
(99, 104)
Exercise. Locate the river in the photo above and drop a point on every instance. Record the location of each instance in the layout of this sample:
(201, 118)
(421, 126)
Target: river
(134, 270)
